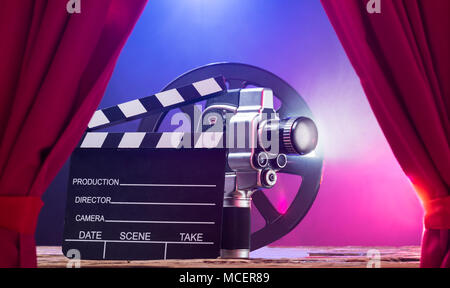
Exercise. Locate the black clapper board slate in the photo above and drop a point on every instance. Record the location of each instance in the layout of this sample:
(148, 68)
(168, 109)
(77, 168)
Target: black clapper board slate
(141, 204)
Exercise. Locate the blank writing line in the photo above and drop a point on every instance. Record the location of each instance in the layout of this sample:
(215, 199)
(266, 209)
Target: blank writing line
(157, 222)
(149, 242)
(167, 185)
(161, 203)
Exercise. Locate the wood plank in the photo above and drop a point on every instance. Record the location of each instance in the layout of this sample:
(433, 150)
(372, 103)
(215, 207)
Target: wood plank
(303, 257)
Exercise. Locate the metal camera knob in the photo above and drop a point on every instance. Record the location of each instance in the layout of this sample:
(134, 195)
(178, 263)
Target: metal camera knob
(262, 159)
(268, 178)
(298, 135)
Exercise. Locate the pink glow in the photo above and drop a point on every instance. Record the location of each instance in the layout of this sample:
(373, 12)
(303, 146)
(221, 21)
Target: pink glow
(365, 198)
(282, 205)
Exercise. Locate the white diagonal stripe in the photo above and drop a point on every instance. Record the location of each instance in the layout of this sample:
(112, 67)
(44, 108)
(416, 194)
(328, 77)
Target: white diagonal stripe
(169, 97)
(98, 119)
(132, 108)
(131, 140)
(170, 140)
(206, 87)
(94, 140)
(209, 140)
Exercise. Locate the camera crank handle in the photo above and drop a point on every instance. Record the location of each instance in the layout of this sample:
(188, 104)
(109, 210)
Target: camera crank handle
(235, 232)
(236, 224)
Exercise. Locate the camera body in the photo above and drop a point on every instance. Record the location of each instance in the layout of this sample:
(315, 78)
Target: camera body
(258, 144)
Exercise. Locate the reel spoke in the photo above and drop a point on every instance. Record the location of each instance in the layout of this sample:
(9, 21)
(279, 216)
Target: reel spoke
(299, 165)
(265, 207)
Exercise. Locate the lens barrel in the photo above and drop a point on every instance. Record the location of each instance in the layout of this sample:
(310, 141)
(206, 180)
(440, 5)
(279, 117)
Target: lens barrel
(298, 135)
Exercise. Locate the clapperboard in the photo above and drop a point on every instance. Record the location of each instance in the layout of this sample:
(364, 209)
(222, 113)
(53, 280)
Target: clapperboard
(139, 196)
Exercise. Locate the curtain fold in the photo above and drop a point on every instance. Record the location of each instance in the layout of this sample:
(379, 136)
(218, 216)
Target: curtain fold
(401, 57)
(54, 69)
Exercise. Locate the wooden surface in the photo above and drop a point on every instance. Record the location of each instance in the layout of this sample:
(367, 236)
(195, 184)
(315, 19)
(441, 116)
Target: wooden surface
(298, 257)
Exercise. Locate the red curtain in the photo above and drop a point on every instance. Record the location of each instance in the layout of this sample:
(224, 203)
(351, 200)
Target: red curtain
(402, 58)
(54, 68)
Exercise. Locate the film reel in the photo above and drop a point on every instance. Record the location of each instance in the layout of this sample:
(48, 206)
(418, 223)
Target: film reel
(292, 105)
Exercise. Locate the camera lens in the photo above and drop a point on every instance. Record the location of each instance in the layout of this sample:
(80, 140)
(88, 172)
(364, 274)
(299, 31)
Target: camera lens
(281, 160)
(298, 135)
(262, 159)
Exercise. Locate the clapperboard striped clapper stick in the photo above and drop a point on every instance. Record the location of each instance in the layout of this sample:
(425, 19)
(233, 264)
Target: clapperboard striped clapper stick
(138, 140)
(160, 102)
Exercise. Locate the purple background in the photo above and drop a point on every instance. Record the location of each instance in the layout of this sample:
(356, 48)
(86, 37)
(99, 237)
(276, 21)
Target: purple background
(365, 199)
